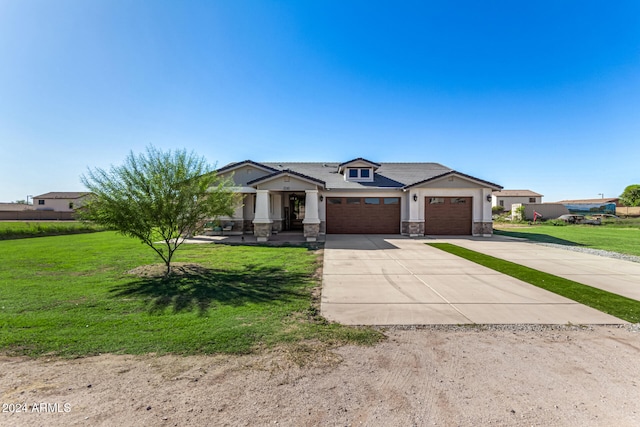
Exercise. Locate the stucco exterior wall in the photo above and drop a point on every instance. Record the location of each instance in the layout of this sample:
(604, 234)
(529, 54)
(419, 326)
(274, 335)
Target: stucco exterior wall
(511, 200)
(58, 205)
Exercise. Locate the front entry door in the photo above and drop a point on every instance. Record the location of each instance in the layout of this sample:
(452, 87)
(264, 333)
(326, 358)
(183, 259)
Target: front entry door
(295, 211)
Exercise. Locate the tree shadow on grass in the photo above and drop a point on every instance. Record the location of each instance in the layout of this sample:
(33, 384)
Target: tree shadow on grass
(544, 238)
(193, 287)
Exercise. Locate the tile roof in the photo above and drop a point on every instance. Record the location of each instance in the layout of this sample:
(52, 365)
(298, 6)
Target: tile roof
(396, 176)
(285, 172)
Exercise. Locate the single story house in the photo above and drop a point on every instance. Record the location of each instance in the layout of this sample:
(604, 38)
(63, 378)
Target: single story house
(506, 198)
(67, 201)
(358, 196)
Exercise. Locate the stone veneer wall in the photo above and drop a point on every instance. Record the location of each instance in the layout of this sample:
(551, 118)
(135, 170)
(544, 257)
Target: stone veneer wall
(277, 225)
(412, 228)
(311, 230)
(482, 228)
(323, 227)
(262, 230)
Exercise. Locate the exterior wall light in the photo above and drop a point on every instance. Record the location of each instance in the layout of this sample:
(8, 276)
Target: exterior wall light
(488, 197)
(321, 198)
(415, 197)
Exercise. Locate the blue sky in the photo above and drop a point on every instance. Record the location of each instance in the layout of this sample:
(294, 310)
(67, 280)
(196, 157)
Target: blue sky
(537, 95)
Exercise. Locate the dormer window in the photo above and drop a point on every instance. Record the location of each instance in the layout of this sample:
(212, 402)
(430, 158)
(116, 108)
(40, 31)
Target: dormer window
(358, 170)
(359, 174)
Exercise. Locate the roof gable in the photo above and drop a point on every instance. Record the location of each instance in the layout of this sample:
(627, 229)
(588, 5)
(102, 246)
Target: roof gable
(233, 166)
(287, 173)
(359, 162)
(450, 175)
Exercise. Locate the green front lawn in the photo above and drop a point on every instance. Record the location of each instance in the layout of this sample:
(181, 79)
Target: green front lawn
(72, 296)
(622, 237)
(24, 229)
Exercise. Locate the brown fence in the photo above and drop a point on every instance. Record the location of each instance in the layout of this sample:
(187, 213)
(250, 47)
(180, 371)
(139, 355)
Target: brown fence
(626, 211)
(34, 215)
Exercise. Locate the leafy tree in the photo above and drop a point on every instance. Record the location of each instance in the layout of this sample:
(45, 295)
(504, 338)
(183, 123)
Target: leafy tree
(631, 195)
(158, 197)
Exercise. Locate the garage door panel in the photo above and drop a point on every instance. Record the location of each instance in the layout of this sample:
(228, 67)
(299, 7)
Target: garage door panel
(363, 215)
(448, 215)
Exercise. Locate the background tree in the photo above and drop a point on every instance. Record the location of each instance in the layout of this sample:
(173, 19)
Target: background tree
(158, 197)
(631, 195)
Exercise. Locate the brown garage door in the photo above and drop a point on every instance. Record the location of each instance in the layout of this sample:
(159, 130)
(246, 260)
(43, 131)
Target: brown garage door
(363, 215)
(448, 215)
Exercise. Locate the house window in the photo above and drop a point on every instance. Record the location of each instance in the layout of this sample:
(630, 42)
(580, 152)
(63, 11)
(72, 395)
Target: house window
(391, 200)
(353, 200)
(334, 201)
(458, 201)
(70, 205)
(436, 201)
(360, 174)
(532, 199)
(41, 202)
(502, 203)
(371, 201)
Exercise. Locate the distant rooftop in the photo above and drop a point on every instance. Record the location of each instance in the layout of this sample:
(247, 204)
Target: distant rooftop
(62, 195)
(516, 193)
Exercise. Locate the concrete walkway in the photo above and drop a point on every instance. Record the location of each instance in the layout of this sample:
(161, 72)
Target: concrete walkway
(392, 280)
(613, 275)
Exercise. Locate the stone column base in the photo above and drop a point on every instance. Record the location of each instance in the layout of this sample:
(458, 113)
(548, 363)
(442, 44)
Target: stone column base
(484, 229)
(262, 231)
(413, 228)
(277, 225)
(311, 232)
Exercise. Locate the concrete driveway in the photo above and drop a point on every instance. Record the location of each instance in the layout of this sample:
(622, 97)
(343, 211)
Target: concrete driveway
(393, 280)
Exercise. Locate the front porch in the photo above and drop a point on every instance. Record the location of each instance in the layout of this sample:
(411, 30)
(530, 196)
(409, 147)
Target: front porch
(286, 212)
(282, 238)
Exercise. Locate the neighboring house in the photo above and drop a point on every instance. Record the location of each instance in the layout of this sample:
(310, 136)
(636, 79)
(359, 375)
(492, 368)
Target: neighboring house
(506, 198)
(358, 196)
(60, 201)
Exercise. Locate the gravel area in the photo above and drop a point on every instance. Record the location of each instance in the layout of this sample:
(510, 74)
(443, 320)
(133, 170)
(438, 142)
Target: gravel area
(592, 251)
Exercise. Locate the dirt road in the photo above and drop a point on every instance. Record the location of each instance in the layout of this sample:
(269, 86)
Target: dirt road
(515, 376)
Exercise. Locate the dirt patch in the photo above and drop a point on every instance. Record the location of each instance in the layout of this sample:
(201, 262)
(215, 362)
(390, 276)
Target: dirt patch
(160, 270)
(434, 376)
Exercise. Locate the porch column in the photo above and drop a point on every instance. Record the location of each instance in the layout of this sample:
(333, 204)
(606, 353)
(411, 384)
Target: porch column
(311, 221)
(415, 226)
(482, 216)
(262, 222)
